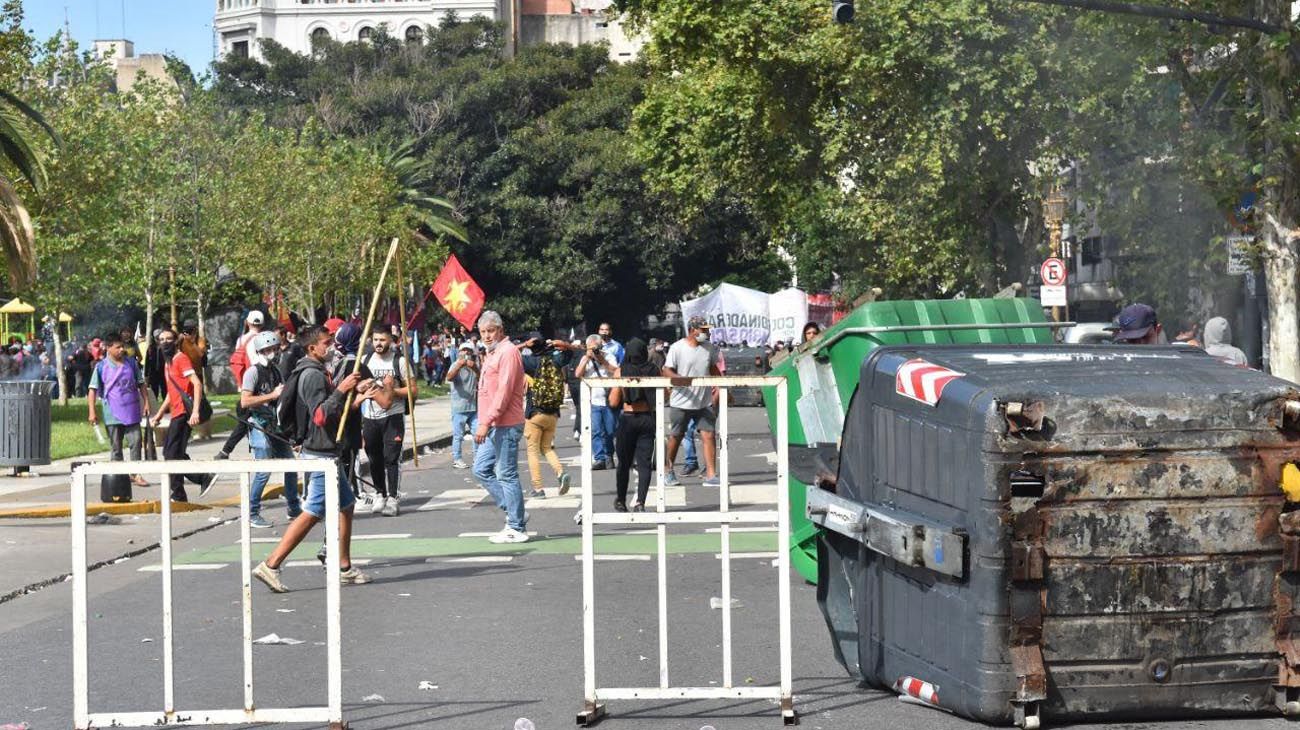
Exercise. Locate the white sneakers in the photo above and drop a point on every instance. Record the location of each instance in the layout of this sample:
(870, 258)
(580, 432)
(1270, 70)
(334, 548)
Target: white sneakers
(386, 506)
(458, 464)
(508, 536)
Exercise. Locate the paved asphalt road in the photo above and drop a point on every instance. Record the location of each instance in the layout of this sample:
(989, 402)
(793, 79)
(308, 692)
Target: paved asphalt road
(492, 633)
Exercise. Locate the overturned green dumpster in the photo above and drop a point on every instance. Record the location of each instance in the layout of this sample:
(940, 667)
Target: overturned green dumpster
(823, 374)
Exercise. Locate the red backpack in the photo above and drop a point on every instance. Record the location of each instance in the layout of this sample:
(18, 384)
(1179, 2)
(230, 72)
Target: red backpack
(239, 360)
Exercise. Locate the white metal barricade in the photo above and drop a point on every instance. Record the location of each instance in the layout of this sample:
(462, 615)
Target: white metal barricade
(724, 518)
(332, 713)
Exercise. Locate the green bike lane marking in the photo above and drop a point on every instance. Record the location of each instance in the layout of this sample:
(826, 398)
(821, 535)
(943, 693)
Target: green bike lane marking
(640, 544)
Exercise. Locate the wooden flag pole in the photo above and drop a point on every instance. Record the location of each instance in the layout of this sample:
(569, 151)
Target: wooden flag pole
(370, 319)
(410, 380)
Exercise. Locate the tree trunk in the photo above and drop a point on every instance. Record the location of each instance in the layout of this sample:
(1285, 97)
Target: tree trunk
(1283, 329)
(59, 371)
(200, 315)
(148, 324)
(1278, 205)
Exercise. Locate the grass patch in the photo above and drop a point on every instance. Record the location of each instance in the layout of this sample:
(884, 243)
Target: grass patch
(71, 434)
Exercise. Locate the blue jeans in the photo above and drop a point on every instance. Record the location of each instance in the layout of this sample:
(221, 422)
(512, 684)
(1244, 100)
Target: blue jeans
(316, 486)
(603, 425)
(692, 458)
(461, 424)
(265, 447)
(496, 464)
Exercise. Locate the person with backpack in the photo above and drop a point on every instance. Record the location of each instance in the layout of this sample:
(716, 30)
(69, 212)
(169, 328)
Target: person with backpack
(119, 381)
(241, 356)
(636, 428)
(383, 418)
(309, 410)
(544, 373)
(259, 392)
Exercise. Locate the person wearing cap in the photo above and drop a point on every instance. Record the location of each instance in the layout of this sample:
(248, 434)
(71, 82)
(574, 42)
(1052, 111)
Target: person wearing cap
(1136, 324)
(462, 379)
(241, 356)
(691, 357)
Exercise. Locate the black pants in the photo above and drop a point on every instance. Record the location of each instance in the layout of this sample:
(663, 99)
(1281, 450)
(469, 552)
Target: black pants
(635, 437)
(383, 439)
(237, 434)
(174, 449)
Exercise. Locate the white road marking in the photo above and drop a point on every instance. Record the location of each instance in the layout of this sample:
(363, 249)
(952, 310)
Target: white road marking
(616, 557)
(316, 563)
(473, 559)
(487, 534)
(183, 566)
(742, 556)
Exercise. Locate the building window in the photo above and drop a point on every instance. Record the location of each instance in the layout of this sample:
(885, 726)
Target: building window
(320, 35)
(365, 33)
(414, 34)
(239, 49)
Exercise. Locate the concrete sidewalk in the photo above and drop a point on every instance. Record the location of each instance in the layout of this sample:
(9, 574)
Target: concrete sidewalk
(45, 492)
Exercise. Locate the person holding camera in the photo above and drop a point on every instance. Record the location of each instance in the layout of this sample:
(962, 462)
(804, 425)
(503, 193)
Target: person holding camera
(597, 363)
(462, 378)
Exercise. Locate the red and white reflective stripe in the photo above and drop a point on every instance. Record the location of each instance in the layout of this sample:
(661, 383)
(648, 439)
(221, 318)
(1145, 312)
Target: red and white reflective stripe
(923, 381)
(914, 687)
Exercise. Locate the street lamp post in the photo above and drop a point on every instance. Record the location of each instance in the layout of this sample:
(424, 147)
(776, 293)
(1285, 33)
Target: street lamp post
(1054, 217)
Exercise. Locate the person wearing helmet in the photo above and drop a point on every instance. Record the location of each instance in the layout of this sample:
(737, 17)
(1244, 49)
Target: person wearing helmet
(258, 395)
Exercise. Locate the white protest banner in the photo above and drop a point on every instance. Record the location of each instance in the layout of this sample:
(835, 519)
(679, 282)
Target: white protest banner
(737, 314)
(787, 312)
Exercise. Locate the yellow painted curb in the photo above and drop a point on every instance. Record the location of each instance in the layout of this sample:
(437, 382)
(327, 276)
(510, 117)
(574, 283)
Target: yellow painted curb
(272, 491)
(152, 507)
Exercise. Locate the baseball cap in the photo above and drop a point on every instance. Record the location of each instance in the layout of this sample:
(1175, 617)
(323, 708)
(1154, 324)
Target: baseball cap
(1134, 322)
(467, 345)
(698, 322)
(254, 317)
(332, 325)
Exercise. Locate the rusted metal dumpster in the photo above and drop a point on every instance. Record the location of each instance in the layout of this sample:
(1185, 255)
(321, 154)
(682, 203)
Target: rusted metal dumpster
(1031, 533)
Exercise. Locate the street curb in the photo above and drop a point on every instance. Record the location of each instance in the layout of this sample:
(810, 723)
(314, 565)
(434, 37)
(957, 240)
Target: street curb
(147, 507)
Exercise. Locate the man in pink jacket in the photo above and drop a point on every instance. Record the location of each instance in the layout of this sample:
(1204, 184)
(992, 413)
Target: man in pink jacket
(500, 426)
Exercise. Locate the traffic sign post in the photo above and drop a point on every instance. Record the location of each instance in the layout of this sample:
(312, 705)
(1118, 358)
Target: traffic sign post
(1054, 274)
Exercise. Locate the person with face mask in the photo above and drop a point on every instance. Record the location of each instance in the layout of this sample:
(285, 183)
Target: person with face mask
(383, 419)
(258, 394)
(184, 394)
(636, 430)
(341, 359)
(691, 357)
(544, 370)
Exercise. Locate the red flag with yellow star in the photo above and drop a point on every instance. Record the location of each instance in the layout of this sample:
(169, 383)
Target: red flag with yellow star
(458, 293)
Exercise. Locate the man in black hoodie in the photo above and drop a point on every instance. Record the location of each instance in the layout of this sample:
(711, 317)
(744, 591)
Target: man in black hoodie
(317, 406)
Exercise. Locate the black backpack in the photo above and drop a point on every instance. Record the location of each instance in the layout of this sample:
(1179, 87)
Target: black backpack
(286, 409)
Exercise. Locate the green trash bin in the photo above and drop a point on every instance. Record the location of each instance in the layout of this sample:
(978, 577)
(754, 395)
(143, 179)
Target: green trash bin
(823, 374)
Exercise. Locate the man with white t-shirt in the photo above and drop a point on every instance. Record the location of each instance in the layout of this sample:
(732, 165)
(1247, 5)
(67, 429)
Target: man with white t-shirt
(383, 424)
(691, 357)
(241, 356)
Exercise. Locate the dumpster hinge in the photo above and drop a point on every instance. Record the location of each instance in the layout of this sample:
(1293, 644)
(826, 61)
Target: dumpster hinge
(1028, 569)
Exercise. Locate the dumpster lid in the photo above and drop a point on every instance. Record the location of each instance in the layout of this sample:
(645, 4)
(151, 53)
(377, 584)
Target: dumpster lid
(1080, 370)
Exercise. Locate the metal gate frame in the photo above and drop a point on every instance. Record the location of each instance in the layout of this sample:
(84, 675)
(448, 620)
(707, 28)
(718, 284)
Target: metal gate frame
(332, 713)
(724, 518)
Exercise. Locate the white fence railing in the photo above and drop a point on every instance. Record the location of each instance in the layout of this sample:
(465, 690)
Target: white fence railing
(724, 518)
(331, 713)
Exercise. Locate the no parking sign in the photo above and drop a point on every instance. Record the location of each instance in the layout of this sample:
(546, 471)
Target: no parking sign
(1053, 273)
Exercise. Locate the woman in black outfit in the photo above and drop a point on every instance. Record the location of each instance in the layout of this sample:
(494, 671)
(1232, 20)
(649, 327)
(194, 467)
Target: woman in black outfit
(636, 429)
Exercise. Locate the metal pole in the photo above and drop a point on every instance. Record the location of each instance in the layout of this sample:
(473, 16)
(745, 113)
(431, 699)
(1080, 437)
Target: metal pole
(370, 319)
(169, 694)
(588, 559)
(410, 381)
(724, 506)
(783, 542)
(246, 579)
(80, 675)
(661, 536)
(333, 615)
